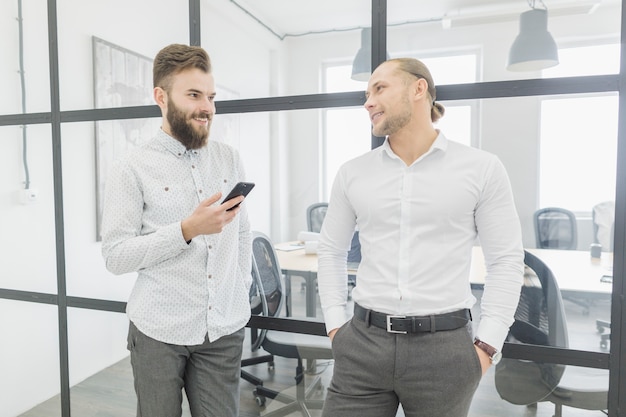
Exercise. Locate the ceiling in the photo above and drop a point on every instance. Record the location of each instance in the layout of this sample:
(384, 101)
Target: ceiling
(289, 17)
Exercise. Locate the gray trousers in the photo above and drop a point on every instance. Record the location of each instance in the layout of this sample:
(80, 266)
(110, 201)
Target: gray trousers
(209, 373)
(430, 374)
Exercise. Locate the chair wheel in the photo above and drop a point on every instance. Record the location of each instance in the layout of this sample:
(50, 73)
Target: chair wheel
(270, 367)
(259, 399)
(604, 345)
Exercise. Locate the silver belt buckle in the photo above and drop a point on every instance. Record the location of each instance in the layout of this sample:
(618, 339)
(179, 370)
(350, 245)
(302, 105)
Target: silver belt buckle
(389, 329)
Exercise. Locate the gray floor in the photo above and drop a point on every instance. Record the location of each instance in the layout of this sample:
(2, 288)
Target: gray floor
(110, 392)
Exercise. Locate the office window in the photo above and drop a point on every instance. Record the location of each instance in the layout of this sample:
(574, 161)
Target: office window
(578, 151)
(586, 60)
(347, 132)
(578, 145)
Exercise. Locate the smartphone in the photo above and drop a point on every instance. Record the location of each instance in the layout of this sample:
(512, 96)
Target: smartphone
(241, 188)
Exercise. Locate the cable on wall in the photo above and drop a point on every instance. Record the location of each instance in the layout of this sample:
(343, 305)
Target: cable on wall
(23, 88)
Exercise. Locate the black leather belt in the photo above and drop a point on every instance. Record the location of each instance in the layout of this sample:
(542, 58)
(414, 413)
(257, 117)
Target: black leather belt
(413, 324)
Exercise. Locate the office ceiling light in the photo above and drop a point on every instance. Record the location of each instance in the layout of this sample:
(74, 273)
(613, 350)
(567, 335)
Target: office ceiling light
(534, 48)
(361, 66)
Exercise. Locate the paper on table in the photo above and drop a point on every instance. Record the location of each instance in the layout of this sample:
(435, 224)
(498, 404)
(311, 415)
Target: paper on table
(287, 247)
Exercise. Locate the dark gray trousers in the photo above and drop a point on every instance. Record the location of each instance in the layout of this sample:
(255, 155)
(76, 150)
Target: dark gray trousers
(430, 374)
(209, 373)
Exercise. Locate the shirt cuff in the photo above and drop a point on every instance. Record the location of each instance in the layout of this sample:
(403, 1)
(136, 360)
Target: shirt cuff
(492, 332)
(335, 317)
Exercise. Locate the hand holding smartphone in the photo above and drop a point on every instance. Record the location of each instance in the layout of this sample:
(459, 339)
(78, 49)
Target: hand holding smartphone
(241, 188)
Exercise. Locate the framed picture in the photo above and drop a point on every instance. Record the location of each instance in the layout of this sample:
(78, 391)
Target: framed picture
(121, 78)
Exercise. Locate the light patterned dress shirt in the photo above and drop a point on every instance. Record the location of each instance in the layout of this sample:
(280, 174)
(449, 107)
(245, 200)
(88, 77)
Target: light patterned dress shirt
(417, 225)
(183, 292)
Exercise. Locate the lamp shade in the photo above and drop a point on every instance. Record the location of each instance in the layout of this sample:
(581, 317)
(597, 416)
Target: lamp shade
(534, 48)
(362, 64)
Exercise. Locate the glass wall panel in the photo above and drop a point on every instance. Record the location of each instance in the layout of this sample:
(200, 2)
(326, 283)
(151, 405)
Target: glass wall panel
(490, 29)
(88, 151)
(117, 71)
(24, 78)
(100, 375)
(29, 359)
(27, 207)
(279, 48)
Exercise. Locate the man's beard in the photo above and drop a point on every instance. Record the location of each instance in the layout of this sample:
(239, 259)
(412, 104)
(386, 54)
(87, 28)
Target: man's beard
(395, 122)
(183, 130)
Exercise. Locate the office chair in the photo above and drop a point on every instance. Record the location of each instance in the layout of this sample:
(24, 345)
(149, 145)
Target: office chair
(315, 214)
(258, 305)
(540, 320)
(267, 277)
(555, 228)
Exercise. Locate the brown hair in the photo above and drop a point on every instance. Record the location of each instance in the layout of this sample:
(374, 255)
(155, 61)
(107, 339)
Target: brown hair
(175, 58)
(416, 68)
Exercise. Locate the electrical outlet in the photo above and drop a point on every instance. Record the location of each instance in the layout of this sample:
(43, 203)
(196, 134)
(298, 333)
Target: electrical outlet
(29, 196)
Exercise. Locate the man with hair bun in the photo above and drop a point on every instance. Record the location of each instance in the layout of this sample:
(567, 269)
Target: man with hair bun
(420, 202)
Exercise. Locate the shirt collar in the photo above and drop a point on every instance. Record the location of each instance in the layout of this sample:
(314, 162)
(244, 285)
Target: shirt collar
(440, 143)
(171, 144)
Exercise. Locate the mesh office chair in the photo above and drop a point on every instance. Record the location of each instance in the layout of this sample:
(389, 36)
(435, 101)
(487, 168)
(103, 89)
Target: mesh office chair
(555, 228)
(258, 305)
(540, 320)
(315, 214)
(267, 277)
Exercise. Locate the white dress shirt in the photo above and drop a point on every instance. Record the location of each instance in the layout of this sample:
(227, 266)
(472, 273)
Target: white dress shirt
(417, 225)
(183, 291)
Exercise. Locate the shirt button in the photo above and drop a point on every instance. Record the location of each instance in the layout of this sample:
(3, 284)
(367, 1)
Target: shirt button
(210, 276)
(200, 191)
(210, 246)
(193, 167)
(210, 308)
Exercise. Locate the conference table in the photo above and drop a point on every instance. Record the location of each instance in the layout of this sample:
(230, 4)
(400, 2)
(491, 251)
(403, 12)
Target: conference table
(578, 275)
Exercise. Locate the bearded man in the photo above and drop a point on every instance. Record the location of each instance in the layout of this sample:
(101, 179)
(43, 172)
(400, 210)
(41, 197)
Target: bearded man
(163, 219)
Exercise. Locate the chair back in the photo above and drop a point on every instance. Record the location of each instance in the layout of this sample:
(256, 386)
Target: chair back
(315, 214)
(267, 274)
(539, 320)
(555, 228)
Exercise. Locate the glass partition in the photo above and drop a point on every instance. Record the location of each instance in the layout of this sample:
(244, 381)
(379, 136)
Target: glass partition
(100, 376)
(103, 63)
(489, 31)
(29, 358)
(88, 151)
(27, 208)
(270, 49)
(24, 77)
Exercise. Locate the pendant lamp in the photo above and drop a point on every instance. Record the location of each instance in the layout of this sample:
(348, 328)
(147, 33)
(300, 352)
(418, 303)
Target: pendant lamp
(534, 48)
(362, 64)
